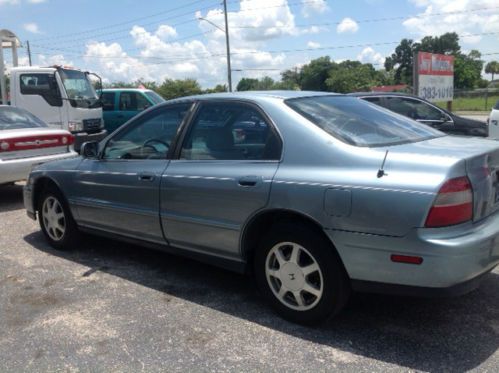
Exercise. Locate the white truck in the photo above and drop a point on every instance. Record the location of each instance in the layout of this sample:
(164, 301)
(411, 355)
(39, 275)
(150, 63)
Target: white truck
(60, 96)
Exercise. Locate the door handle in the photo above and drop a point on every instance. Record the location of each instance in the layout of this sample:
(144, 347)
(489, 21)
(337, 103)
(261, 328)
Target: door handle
(146, 176)
(249, 181)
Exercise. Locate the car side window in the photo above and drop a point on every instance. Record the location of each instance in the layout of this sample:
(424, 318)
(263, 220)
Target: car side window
(148, 137)
(133, 101)
(108, 101)
(374, 100)
(230, 131)
(415, 109)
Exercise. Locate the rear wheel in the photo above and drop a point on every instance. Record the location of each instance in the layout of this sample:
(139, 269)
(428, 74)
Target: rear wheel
(299, 273)
(56, 220)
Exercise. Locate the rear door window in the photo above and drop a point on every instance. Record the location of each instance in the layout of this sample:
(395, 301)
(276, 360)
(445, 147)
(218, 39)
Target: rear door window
(230, 131)
(414, 109)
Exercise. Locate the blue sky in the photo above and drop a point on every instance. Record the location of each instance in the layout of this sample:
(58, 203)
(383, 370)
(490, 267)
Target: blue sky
(126, 40)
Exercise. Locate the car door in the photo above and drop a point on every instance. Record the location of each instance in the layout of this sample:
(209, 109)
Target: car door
(221, 176)
(119, 191)
(109, 111)
(130, 104)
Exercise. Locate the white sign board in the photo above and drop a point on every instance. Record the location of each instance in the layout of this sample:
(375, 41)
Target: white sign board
(435, 76)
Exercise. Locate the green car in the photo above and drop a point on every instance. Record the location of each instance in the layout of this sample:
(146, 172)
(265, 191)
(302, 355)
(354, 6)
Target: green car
(121, 104)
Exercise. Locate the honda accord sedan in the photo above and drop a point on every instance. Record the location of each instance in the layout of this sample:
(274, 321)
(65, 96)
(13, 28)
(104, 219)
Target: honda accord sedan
(331, 194)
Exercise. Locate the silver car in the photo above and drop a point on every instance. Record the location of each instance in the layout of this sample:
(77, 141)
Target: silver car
(25, 141)
(314, 194)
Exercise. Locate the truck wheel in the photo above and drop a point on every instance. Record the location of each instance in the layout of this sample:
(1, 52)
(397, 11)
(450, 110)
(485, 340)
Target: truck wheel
(56, 221)
(300, 275)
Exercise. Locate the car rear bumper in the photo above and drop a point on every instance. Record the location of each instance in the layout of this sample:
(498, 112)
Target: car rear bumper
(453, 258)
(80, 138)
(18, 169)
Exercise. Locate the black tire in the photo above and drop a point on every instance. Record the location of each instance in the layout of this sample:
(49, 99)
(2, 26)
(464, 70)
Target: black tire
(69, 238)
(335, 282)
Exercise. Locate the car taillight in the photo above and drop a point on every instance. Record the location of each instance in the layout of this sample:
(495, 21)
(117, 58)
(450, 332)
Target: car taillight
(35, 142)
(453, 205)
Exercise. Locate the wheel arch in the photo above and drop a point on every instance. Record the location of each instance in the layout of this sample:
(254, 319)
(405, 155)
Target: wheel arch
(41, 184)
(262, 222)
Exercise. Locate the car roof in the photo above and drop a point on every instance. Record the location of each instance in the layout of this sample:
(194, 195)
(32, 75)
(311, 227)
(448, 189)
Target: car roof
(125, 89)
(255, 95)
(374, 94)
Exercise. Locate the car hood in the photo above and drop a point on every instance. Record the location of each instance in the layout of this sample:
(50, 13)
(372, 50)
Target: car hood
(472, 123)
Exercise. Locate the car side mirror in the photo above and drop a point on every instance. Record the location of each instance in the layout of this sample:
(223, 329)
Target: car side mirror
(89, 149)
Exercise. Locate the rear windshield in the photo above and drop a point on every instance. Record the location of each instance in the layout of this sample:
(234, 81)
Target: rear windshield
(497, 105)
(14, 118)
(360, 123)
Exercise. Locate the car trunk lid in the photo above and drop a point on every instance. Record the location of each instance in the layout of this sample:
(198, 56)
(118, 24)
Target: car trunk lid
(33, 142)
(481, 158)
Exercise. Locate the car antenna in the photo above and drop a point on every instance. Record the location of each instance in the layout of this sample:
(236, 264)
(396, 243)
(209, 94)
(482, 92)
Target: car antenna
(381, 171)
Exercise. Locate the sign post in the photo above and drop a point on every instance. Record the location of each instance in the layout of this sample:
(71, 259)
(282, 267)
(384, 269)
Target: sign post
(434, 77)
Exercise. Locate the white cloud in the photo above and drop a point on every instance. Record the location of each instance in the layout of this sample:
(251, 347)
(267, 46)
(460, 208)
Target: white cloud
(313, 45)
(31, 27)
(309, 7)
(371, 56)
(57, 59)
(463, 21)
(36, 1)
(10, 2)
(164, 32)
(347, 25)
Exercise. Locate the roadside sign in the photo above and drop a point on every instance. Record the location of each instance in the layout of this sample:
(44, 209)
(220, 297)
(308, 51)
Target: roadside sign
(434, 76)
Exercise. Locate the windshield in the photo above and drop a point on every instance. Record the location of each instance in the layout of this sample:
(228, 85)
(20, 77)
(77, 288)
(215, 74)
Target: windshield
(360, 123)
(154, 97)
(78, 88)
(14, 118)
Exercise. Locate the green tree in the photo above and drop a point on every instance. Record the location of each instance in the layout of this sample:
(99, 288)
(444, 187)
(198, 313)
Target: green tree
(447, 43)
(291, 79)
(352, 76)
(468, 70)
(492, 68)
(217, 88)
(171, 88)
(401, 61)
(313, 75)
(247, 84)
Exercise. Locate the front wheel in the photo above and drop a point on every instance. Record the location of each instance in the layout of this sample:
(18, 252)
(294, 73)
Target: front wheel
(56, 221)
(300, 275)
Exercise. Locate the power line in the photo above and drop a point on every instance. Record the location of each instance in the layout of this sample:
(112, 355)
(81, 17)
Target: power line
(64, 36)
(178, 16)
(268, 27)
(185, 58)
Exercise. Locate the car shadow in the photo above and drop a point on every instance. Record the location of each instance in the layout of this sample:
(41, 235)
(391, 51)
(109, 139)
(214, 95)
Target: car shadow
(11, 197)
(424, 334)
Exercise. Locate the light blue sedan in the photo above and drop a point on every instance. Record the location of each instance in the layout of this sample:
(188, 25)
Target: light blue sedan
(312, 193)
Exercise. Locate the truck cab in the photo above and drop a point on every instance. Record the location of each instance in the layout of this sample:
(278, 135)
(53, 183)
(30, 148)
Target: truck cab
(62, 97)
(120, 105)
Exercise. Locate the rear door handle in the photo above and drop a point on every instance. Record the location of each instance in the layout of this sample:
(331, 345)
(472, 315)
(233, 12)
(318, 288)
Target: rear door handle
(249, 181)
(145, 176)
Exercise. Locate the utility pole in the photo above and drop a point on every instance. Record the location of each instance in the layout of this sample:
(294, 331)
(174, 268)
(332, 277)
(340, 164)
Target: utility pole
(229, 70)
(29, 51)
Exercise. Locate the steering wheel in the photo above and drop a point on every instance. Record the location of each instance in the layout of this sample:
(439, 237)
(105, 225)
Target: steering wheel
(148, 144)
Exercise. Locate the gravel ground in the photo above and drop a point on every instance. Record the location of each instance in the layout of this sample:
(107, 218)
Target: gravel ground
(107, 306)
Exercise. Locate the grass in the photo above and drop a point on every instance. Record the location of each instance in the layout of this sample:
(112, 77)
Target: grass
(471, 103)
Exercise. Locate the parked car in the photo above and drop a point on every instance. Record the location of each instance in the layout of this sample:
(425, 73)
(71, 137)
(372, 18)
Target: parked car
(334, 194)
(425, 112)
(120, 105)
(493, 121)
(26, 141)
